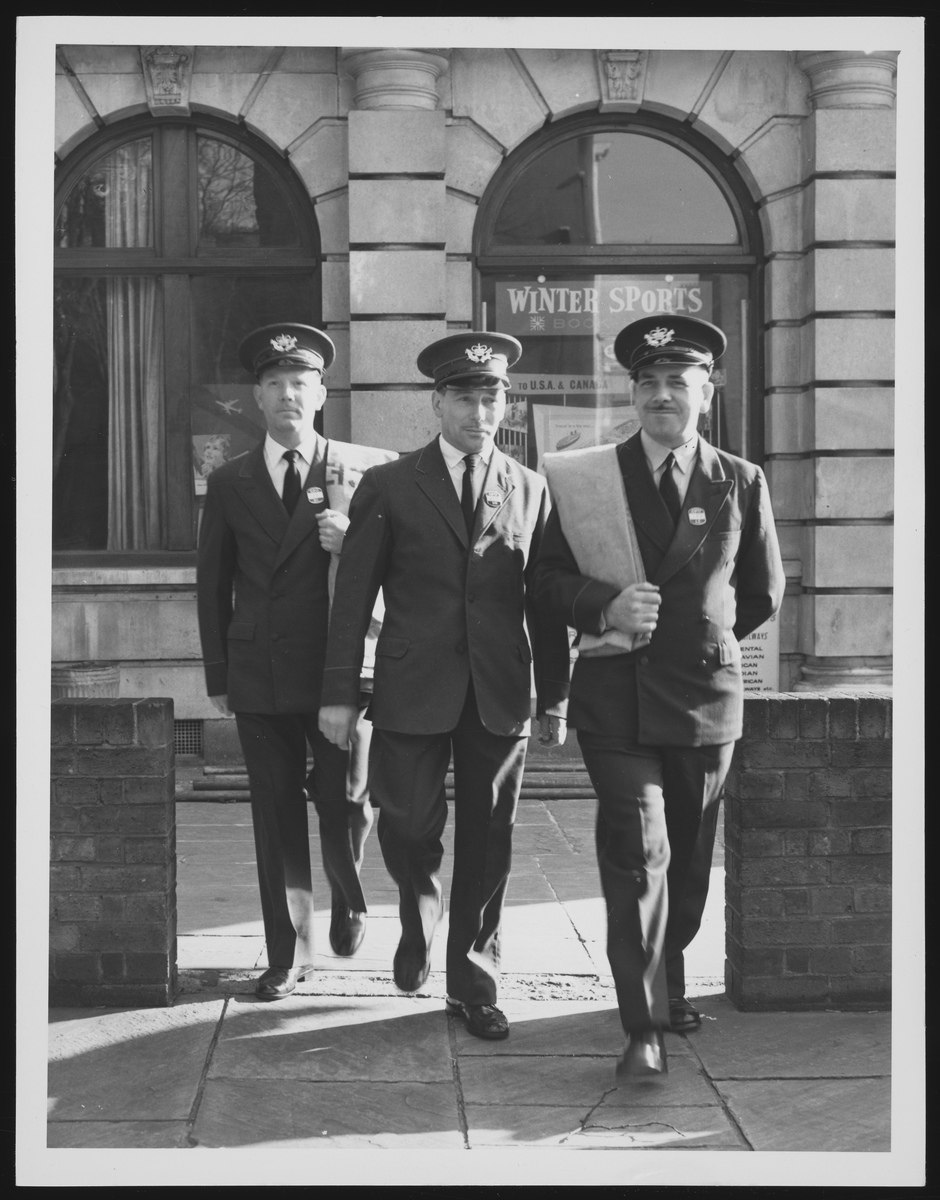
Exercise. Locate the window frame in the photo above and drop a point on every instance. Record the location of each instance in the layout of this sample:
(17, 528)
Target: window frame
(747, 258)
(174, 258)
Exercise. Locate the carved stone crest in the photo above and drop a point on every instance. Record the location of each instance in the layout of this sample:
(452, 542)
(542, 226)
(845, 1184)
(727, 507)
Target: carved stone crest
(625, 75)
(168, 73)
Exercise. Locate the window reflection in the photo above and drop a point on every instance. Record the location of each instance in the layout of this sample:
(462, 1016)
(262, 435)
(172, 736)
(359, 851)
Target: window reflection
(239, 201)
(615, 188)
(108, 425)
(111, 205)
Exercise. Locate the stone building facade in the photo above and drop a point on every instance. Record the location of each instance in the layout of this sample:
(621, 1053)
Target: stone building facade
(399, 188)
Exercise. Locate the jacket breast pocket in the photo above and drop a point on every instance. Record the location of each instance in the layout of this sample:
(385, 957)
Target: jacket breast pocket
(241, 631)
(391, 647)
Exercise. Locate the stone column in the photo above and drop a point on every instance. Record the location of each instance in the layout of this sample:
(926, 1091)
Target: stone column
(397, 241)
(839, 475)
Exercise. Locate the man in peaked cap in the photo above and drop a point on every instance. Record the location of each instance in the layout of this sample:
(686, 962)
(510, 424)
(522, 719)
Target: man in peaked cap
(449, 533)
(263, 599)
(658, 714)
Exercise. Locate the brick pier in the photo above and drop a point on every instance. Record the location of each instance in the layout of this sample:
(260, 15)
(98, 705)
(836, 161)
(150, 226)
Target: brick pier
(808, 845)
(112, 934)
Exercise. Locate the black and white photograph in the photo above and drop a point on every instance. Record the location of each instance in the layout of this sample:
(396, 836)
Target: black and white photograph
(478, 598)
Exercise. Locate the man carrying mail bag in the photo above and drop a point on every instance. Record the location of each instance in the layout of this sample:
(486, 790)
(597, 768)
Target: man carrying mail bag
(661, 552)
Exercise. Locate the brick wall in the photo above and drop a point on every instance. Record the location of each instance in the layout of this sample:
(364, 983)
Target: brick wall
(808, 844)
(112, 929)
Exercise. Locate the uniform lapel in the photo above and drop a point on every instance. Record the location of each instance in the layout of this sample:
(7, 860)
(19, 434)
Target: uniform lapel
(433, 478)
(254, 486)
(709, 489)
(496, 490)
(303, 520)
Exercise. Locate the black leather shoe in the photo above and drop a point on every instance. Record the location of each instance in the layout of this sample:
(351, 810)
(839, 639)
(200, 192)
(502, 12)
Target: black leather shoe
(683, 1018)
(410, 966)
(645, 1055)
(347, 929)
(278, 982)
(482, 1020)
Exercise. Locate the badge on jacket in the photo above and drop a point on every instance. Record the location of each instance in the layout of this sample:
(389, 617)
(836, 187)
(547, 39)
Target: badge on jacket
(315, 495)
(493, 499)
(697, 516)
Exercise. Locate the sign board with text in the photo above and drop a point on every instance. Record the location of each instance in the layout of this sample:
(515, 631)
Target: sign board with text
(760, 658)
(598, 305)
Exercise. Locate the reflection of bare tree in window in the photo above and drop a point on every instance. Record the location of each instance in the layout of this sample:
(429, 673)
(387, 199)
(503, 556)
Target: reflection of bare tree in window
(226, 197)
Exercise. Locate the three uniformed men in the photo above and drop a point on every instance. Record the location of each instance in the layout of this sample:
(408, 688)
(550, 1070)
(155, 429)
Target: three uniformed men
(460, 540)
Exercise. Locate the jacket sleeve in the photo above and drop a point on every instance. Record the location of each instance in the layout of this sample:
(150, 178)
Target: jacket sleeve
(760, 577)
(359, 576)
(560, 588)
(215, 576)
(548, 632)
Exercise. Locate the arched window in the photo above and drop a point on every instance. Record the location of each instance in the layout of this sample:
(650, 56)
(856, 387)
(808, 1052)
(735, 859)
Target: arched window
(173, 239)
(597, 221)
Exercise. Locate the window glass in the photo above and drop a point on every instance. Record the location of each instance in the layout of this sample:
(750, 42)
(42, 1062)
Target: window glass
(112, 204)
(240, 203)
(226, 421)
(615, 188)
(149, 396)
(569, 391)
(108, 406)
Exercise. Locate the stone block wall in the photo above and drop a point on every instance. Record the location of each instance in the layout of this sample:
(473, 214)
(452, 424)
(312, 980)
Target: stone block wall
(808, 854)
(112, 917)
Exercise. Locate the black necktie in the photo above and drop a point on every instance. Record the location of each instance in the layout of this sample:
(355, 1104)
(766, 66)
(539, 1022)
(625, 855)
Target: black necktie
(291, 481)
(466, 491)
(668, 489)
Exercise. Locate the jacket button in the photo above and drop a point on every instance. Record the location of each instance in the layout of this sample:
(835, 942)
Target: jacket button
(706, 618)
(704, 662)
(461, 647)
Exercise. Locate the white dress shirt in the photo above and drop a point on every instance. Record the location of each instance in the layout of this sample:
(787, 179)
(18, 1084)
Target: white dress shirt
(684, 455)
(454, 459)
(308, 450)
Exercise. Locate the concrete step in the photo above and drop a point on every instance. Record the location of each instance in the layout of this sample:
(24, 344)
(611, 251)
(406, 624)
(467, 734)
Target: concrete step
(566, 781)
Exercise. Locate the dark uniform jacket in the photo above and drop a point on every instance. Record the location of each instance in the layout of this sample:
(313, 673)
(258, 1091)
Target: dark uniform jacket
(452, 611)
(265, 647)
(719, 580)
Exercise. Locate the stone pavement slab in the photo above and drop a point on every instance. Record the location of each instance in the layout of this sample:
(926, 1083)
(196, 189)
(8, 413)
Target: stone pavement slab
(583, 1081)
(117, 1135)
(778, 1045)
(302, 1115)
(843, 1115)
(129, 1064)
(569, 1128)
(395, 1039)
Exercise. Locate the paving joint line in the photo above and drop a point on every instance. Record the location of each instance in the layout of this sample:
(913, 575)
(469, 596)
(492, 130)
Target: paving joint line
(554, 821)
(187, 1141)
(462, 1122)
(723, 1105)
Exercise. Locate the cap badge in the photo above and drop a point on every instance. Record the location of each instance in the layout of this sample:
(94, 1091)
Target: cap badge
(660, 336)
(284, 342)
(479, 353)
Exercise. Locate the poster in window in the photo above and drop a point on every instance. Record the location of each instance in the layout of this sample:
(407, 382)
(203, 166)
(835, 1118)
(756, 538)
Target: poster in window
(226, 424)
(571, 428)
